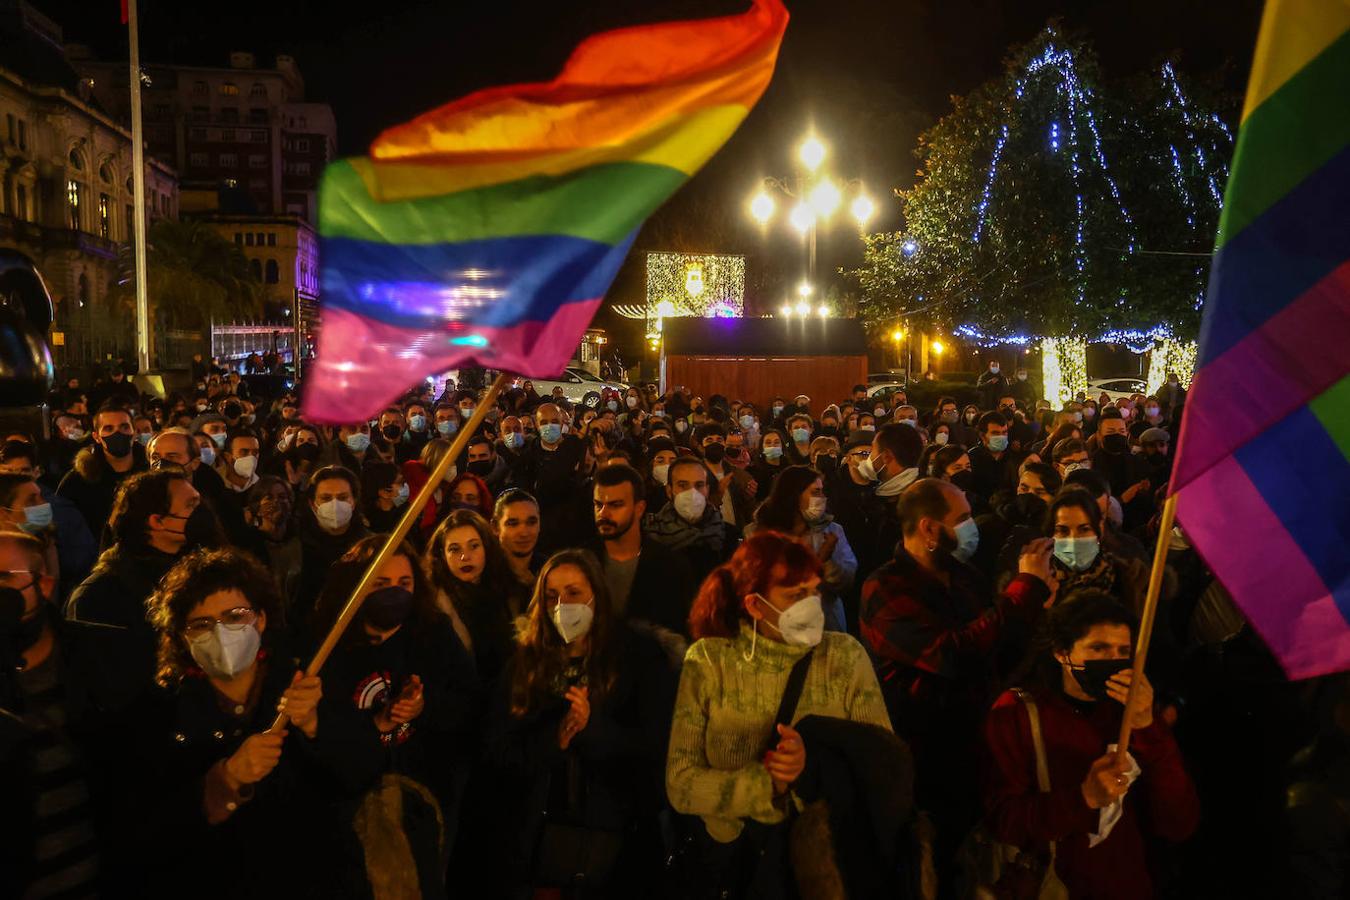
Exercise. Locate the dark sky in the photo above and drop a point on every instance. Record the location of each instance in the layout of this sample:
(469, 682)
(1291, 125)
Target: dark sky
(868, 74)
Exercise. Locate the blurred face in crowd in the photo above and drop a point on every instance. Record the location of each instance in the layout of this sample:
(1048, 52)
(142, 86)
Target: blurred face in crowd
(1030, 483)
(767, 608)
(1072, 522)
(1007, 405)
(466, 495)
(330, 489)
(465, 554)
(1112, 426)
(178, 449)
(856, 455)
(518, 528)
(960, 464)
(689, 476)
(1073, 461)
(397, 571)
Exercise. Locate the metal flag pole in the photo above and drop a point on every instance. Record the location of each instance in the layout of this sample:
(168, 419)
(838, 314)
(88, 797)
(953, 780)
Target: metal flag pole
(1155, 578)
(138, 197)
(410, 515)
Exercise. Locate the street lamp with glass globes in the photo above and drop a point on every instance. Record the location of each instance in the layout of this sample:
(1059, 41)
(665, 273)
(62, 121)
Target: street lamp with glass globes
(817, 198)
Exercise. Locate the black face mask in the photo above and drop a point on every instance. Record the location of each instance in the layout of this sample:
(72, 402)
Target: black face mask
(965, 480)
(480, 467)
(1095, 673)
(117, 444)
(305, 452)
(388, 607)
(1029, 508)
(715, 453)
(391, 432)
(826, 464)
(233, 410)
(16, 631)
(201, 529)
(1116, 443)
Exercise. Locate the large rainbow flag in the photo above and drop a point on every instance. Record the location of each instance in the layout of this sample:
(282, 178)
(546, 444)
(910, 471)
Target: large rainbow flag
(1263, 467)
(487, 231)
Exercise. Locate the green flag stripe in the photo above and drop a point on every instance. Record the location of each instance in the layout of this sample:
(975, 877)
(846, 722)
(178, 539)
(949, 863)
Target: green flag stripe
(1332, 408)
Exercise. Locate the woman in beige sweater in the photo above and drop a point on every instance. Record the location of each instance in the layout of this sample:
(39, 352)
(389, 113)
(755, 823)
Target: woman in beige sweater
(754, 618)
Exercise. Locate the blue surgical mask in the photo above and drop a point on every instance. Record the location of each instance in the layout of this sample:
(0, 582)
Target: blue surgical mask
(1077, 554)
(801, 435)
(36, 518)
(550, 433)
(208, 455)
(513, 440)
(967, 540)
(997, 443)
(448, 427)
(773, 452)
(747, 421)
(359, 442)
(219, 440)
(144, 437)
(402, 496)
(417, 423)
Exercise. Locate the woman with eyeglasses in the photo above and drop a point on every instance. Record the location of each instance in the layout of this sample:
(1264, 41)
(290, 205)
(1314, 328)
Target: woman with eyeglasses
(579, 729)
(251, 799)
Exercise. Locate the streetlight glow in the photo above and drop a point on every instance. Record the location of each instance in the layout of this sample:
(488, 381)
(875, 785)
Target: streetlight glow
(823, 311)
(804, 289)
(863, 208)
(786, 311)
(909, 247)
(802, 218)
(762, 208)
(803, 309)
(812, 153)
(825, 198)
(938, 348)
(897, 335)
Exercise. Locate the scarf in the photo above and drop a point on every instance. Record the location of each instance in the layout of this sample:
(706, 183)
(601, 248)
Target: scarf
(893, 487)
(670, 529)
(1102, 576)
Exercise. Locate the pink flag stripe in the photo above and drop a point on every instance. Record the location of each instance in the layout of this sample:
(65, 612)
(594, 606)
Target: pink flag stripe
(1249, 549)
(390, 359)
(1296, 354)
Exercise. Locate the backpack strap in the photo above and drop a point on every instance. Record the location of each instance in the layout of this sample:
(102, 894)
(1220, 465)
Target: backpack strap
(792, 693)
(1037, 740)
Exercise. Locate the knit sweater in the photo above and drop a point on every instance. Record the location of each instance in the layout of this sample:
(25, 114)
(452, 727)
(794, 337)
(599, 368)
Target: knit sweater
(724, 716)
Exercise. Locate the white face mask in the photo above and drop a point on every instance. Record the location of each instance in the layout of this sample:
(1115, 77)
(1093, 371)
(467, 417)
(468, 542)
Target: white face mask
(815, 509)
(334, 515)
(226, 650)
(690, 505)
(661, 473)
(573, 620)
(245, 466)
(940, 438)
(803, 623)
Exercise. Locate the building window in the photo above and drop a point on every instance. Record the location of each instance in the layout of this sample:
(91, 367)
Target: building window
(199, 88)
(21, 197)
(228, 160)
(83, 289)
(10, 130)
(260, 136)
(200, 160)
(272, 274)
(200, 113)
(302, 145)
(73, 204)
(239, 238)
(261, 239)
(228, 89)
(257, 161)
(229, 114)
(76, 161)
(248, 239)
(23, 135)
(257, 184)
(196, 134)
(105, 174)
(258, 90)
(255, 269)
(131, 221)
(227, 134)
(105, 216)
(301, 168)
(257, 116)
(271, 239)
(163, 110)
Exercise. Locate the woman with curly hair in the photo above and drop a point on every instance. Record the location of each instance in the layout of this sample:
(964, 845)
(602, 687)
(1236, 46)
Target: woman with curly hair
(579, 728)
(475, 587)
(224, 780)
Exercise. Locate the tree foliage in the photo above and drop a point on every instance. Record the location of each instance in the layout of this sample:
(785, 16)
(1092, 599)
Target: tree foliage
(1089, 221)
(196, 275)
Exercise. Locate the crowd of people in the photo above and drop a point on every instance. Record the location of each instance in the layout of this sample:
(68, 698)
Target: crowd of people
(663, 646)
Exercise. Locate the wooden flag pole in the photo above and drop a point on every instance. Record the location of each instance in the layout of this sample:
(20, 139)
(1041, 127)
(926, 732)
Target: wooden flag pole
(1155, 579)
(410, 515)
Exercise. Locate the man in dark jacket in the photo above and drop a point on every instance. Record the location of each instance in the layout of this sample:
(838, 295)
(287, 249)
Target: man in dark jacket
(688, 525)
(994, 463)
(991, 384)
(859, 511)
(157, 517)
(548, 469)
(68, 696)
(646, 580)
(99, 469)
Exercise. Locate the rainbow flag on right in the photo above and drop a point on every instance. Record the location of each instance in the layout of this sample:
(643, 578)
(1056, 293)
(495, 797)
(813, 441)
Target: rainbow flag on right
(1263, 460)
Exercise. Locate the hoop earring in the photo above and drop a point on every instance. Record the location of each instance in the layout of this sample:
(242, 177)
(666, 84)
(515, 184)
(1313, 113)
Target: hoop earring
(932, 547)
(754, 640)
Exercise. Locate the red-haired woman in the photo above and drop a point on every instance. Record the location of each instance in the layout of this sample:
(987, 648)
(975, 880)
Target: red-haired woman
(468, 491)
(755, 617)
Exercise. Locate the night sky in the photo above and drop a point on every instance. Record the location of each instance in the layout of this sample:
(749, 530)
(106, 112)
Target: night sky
(868, 75)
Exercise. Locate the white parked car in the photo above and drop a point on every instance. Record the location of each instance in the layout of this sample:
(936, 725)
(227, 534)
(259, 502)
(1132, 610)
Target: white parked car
(1116, 388)
(578, 386)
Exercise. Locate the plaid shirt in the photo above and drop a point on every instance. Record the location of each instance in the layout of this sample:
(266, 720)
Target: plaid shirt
(934, 644)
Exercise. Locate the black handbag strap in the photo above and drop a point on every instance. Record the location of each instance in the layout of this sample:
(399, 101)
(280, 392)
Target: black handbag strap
(792, 692)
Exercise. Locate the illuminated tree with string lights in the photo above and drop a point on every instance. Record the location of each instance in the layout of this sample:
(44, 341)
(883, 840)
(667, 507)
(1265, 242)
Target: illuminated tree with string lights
(1052, 205)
